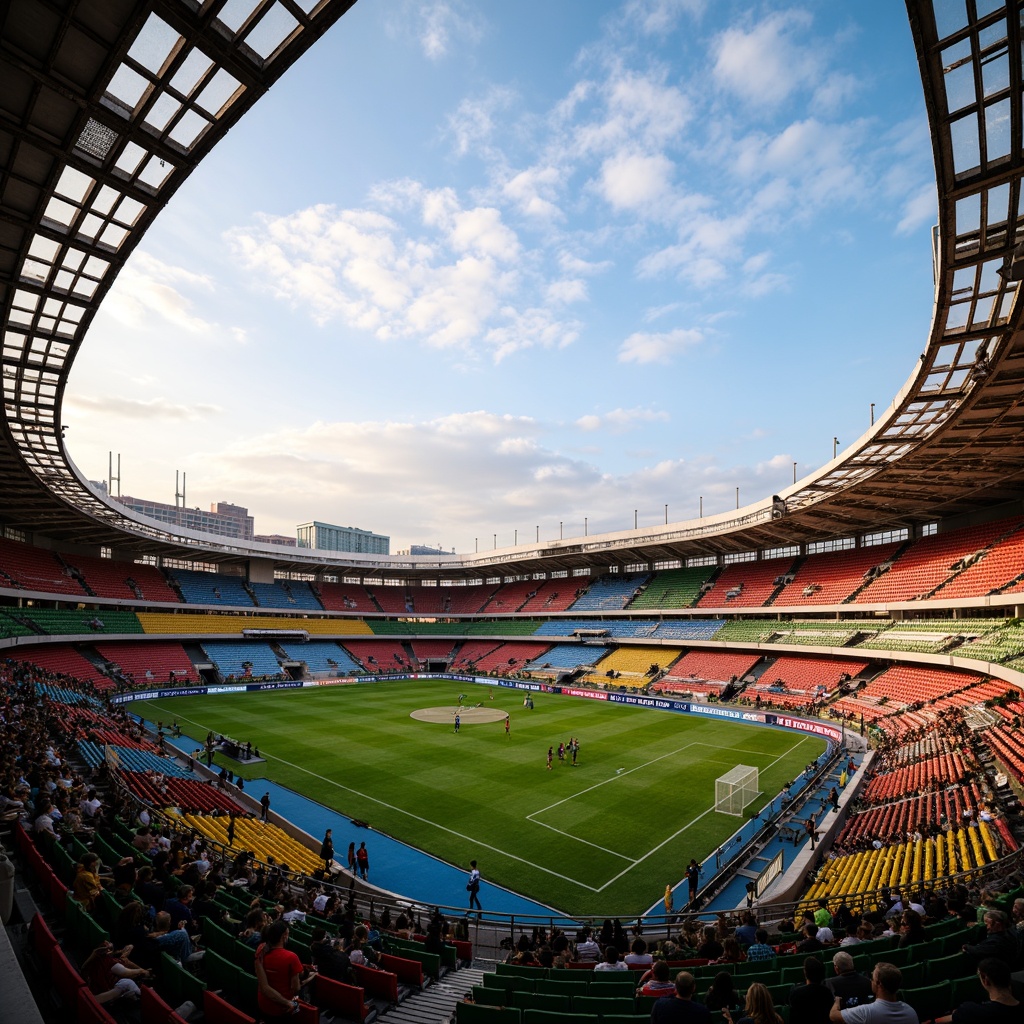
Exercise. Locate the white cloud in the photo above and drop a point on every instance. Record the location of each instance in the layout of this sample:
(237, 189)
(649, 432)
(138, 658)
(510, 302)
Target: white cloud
(920, 209)
(764, 64)
(658, 17)
(448, 275)
(567, 290)
(643, 347)
(141, 408)
(148, 287)
(534, 190)
(620, 420)
(631, 181)
(472, 126)
(443, 23)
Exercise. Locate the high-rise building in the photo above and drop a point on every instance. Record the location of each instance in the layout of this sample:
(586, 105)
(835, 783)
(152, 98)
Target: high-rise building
(325, 537)
(223, 519)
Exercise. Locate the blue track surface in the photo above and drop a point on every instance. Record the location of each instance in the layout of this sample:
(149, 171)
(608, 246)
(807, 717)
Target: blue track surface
(394, 866)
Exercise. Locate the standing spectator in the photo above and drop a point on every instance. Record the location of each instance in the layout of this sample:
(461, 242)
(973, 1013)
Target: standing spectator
(327, 853)
(833, 796)
(363, 861)
(352, 857)
(278, 975)
(886, 981)
(809, 828)
(264, 806)
(693, 870)
(473, 886)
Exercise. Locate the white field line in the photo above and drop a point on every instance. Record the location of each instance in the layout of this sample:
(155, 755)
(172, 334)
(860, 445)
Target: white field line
(529, 817)
(689, 824)
(416, 817)
(532, 817)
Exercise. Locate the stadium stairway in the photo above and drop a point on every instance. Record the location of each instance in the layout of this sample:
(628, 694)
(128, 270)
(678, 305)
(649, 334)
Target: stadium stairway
(437, 1002)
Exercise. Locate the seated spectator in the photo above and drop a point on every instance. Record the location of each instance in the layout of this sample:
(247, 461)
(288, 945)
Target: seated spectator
(587, 950)
(330, 960)
(1002, 1005)
(911, 929)
(638, 955)
(721, 995)
(999, 942)
(811, 943)
(87, 886)
(681, 1008)
(611, 960)
(822, 916)
(758, 1007)
(656, 981)
(710, 948)
(848, 986)
(864, 933)
(811, 1002)
(111, 975)
(746, 931)
(886, 981)
(760, 950)
(731, 952)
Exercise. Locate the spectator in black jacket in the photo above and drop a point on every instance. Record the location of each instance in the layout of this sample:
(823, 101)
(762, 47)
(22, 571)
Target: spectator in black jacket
(852, 988)
(999, 942)
(811, 1002)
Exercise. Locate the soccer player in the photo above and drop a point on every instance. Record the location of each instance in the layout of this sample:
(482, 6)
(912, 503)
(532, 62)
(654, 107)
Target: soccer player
(551, 754)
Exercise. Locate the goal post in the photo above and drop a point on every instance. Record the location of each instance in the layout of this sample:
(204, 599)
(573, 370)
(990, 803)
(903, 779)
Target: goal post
(736, 789)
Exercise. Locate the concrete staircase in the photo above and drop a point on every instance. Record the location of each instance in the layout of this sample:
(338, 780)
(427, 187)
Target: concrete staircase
(436, 1003)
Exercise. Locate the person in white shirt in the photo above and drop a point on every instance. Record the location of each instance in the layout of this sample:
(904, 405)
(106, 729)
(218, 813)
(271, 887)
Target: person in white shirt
(587, 950)
(611, 961)
(886, 1009)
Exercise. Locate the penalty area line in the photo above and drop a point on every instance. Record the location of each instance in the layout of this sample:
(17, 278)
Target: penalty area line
(416, 817)
(689, 824)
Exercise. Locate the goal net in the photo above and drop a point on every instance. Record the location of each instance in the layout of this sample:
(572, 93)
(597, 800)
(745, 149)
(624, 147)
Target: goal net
(735, 789)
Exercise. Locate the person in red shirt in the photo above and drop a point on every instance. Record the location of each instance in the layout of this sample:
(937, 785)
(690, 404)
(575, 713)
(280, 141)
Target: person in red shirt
(278, 974)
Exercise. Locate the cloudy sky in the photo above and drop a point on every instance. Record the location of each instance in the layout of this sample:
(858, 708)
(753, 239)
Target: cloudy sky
(471, 269)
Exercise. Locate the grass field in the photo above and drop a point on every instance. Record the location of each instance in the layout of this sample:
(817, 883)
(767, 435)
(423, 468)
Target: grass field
(604, 836)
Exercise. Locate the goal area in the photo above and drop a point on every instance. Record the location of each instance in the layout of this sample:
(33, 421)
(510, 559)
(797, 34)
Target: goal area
(735, 789)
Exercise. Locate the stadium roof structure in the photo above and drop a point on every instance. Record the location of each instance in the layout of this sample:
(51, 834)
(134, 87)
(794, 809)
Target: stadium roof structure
(106, 106)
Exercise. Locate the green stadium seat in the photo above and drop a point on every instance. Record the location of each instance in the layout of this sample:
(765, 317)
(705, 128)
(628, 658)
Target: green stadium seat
(548, 1017)
(541, 1001)
(177, 985)
(563, 986)
(474, 1013)
(489, 996)
(955, 966)
(930, 1001)
(519, 971)
(598, 1006)
(967, 989)
(914, 975)
(613, 982)
(792, 975)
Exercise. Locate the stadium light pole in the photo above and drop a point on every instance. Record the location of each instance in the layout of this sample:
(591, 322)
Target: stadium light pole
(794, 472)
(515, 542)
(538, 533)
(737, 497)
(584, 526)
(634, 518)
(495, 542)
(559, 529)
(835, 446)
(702, 506)
(666, 515)
(872, 414)
(476, 545)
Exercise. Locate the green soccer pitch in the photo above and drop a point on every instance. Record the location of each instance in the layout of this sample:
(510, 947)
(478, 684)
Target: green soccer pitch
(603, 837)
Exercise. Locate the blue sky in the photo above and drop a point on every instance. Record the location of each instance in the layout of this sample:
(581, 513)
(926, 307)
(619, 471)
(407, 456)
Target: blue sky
(471, 269)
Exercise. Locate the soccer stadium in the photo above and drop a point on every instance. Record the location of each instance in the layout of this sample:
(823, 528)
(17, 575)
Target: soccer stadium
(244, 780)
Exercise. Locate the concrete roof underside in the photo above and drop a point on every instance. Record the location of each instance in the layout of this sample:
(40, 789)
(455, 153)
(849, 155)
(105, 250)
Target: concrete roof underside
(107, 106)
